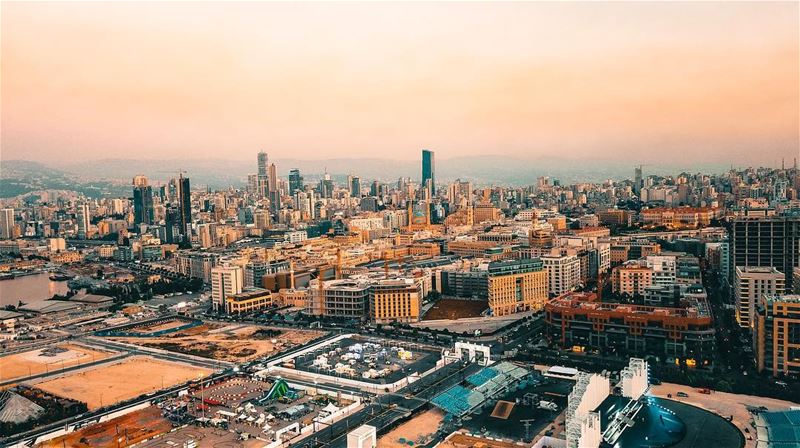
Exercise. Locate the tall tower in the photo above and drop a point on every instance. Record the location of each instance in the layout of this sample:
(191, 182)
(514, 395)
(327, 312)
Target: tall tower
(274, 193)
(7, 223)
(428, 172)
(83, 221)
(142, 201)
(185, 206)
(263, 175)
(637, 180)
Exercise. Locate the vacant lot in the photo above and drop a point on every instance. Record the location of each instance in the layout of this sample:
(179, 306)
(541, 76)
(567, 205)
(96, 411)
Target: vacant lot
(22, 365)
(113, 383)
(418, 430)
(455, 309)
(236, 343)
(130, 428)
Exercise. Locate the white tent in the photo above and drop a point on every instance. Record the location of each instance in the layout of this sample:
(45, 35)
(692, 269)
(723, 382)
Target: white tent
(330, 408)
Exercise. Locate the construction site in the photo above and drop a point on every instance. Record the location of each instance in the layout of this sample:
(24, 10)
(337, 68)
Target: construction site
(223, 341)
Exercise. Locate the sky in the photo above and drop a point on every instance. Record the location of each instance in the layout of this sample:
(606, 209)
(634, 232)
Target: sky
(636, 82)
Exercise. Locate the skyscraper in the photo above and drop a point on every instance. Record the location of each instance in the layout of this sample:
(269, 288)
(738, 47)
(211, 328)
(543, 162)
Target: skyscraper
(428, 172)
(295, 181)
(274, 193)
(83, 221)
(766, 241)
(637, 180)
(7, 223)
(354, 183)
(185, 206)
(142, 201)
(263, 166)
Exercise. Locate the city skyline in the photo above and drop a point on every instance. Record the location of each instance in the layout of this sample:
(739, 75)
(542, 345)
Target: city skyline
(702, 83)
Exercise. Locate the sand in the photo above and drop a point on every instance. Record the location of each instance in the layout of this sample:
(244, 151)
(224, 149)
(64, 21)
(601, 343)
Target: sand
(133, 428)
(235, 343)
(418, 430)
(113, 383)
(22, 365)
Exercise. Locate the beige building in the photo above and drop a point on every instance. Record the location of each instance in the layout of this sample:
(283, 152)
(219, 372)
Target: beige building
(516, 285)
(776, 334)
(251, 299)
(750, 283)
(395, 300)
(631, 279)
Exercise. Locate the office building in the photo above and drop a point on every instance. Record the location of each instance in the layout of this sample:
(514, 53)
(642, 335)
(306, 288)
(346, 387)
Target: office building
(295, 181)
(750, 283)
(766, 241)
(143, 212)
(395, 300)
(185, 207)
(225, 281)
(262, 176)
(274, 192)
(7, 223)
(515, 286)
(83, 218)
(354, 184)
(250, 299)
(776, 335)
(428, 173)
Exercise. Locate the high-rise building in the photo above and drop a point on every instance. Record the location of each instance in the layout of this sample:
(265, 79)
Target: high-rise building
(750, 283)
(354, 184)
(7, 223)
(516, 285)
(274, 192)
(225, 281)
(295, 181)
(428, 172)
(638, 182)
(143, 212)
(766, 241)
(563, 273)
(776, 334)
(263, 175)
(185, 206)
(83, 218)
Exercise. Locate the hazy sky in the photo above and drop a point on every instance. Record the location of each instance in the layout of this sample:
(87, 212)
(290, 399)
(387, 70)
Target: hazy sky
(642, 82)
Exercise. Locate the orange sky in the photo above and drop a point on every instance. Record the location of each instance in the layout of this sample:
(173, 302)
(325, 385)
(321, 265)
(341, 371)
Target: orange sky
(648, 82)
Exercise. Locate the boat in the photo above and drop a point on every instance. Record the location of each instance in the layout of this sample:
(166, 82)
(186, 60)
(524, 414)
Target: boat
(58, 277)
(7, 276)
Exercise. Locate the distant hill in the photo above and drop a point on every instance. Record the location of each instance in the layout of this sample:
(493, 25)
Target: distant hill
(113, 176)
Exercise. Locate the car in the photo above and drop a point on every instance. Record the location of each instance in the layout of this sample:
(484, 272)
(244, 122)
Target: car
(682, 394)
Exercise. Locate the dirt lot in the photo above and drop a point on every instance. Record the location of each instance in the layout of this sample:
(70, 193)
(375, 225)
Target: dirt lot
(24, 364)
(723, 404)
(460, 440)
(419, 430)
(133, 428)
(109, 384)
(236, 343)
(455, 309)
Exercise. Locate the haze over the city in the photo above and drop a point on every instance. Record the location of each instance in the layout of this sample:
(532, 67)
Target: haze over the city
(634, 82)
